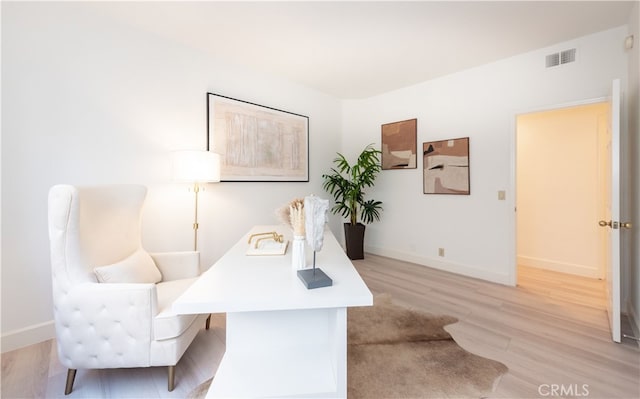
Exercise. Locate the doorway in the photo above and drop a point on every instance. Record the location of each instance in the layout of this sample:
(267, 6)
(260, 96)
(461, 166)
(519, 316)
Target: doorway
(562, 190)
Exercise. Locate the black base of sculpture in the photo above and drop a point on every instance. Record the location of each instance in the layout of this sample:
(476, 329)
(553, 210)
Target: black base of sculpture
(314, 278)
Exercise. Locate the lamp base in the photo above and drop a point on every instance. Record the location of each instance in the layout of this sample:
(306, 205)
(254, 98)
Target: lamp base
(314, 278)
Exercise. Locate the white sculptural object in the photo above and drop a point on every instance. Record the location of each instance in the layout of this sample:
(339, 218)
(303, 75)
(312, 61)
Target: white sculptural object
(315, 217)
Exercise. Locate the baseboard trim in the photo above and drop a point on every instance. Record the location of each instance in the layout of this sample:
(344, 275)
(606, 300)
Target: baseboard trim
(434, 263)
(562, 267)
(20, 338)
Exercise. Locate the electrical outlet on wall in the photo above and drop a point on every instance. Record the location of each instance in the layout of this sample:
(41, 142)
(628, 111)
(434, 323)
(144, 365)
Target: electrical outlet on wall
(440, 251)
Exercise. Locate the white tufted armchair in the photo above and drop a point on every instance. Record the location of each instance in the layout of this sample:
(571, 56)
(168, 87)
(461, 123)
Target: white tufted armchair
(112, 300)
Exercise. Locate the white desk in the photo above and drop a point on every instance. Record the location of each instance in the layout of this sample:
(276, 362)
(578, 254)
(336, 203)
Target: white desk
(283, 340)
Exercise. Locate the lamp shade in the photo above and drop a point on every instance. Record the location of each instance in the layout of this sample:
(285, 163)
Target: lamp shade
(196, 166)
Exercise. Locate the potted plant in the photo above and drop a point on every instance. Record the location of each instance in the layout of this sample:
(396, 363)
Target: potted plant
(346, 183)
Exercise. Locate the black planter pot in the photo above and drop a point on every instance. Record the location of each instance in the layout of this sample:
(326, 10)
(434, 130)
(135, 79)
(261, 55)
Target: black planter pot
(354, 240)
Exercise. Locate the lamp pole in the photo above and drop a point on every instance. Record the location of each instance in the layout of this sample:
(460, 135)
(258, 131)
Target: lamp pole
(196, 190)
(196, 167)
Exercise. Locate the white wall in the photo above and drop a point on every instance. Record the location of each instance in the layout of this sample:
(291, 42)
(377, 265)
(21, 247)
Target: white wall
(633, 236)
(559, 190)
(88, 101)
(476, 231)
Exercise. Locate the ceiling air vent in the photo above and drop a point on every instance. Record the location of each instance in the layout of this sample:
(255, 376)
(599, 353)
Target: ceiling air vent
(563, 57)
(553, 60)
(568, 56)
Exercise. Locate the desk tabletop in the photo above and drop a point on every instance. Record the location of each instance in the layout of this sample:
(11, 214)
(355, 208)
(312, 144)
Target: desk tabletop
(241, 283)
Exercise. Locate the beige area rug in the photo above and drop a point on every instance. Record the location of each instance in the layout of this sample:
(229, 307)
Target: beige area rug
(394, 352)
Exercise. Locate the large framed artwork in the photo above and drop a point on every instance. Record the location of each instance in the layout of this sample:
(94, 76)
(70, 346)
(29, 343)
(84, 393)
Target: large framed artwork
(399, 145)
(257, 143)
(446, 166)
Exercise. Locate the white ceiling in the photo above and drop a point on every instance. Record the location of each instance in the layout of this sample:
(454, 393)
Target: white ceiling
(358, 49)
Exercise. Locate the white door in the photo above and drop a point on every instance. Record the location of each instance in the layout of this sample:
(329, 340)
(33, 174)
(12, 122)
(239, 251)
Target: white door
(611, 220)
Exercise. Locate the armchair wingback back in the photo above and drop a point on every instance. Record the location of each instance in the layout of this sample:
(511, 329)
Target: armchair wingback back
(92, 226)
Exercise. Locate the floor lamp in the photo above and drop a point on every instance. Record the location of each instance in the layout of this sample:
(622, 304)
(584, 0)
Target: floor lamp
(196, 167)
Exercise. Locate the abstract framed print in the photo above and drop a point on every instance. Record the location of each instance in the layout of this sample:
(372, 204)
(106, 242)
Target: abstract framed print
(257, 143)
(446, 167)
(399, 145)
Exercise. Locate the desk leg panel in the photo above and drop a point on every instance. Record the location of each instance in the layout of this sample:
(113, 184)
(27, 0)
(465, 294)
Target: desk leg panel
(294, 353)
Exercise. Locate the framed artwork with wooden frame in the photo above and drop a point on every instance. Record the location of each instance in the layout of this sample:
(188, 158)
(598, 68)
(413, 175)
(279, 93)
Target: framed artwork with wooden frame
(446, 167)
(257, 143)
(399, 145)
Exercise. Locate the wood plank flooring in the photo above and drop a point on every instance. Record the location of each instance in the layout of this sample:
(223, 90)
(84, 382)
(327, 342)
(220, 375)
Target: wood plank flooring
(550, 331)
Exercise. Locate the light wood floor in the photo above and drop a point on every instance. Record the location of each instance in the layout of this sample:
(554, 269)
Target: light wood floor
(551, 329)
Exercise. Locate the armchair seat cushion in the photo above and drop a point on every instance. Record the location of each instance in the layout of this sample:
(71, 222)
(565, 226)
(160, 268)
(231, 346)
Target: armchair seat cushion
(167, 324)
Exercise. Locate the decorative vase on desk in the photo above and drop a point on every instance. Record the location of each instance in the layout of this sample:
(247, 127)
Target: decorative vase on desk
(298, 257)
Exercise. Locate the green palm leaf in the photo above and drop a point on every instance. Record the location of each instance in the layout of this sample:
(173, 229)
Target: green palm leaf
(346, 184)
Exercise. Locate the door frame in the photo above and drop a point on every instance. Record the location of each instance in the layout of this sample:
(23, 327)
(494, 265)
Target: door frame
(513, 226)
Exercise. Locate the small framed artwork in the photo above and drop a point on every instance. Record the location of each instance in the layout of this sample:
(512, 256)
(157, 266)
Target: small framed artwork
(399, 145)
(446, 166)
(257, 143)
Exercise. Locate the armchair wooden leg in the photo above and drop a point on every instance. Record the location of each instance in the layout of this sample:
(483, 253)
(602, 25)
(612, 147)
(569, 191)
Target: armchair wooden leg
(207, 323)
(71, 376)
(172, 378)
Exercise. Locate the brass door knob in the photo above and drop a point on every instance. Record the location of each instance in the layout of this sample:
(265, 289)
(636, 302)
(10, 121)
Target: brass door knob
(622, 225)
